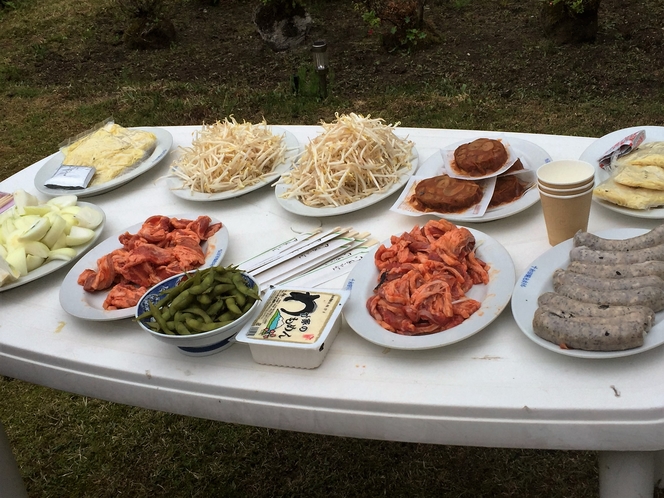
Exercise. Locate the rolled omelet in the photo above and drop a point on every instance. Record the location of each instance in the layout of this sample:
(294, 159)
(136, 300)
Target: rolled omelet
(631, 197)
(111, 150)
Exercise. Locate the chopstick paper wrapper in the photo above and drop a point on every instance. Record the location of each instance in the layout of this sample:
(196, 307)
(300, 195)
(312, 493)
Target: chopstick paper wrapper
(295, 257)
(334, 268)
(6, 201)
(310, 259)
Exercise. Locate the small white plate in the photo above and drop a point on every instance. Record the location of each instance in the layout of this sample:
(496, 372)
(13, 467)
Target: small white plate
(89, 305)
(494, 297)
(52, 266)
(293, 148)
(599, 147)
(164, 143)
(538, 279)
(533, 156)
(295, 206)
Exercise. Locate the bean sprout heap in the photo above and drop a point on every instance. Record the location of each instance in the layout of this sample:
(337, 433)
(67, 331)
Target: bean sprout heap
(229, 156)
(354, 157)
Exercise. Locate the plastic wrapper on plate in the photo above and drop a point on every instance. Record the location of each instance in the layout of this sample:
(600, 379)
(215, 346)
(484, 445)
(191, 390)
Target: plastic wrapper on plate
(109, 148)
(637, 178)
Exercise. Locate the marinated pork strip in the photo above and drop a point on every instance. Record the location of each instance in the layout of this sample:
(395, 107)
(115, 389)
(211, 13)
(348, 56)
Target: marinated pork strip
(587, 255)
(567, 307)
(591, 333)
(652, 297)
(563, 277)
(618, 270)
(652, 238)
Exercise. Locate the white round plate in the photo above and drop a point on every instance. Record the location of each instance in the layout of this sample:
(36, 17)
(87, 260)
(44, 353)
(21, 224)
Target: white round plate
(292, 151)
(297, 207)
(88, 305)
(538, 279)
(599, 147)
(164, 143)
(532, 155)
(52, 266)
(494, 297)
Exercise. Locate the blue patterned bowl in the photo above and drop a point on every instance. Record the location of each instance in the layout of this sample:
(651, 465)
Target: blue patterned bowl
(204, 343)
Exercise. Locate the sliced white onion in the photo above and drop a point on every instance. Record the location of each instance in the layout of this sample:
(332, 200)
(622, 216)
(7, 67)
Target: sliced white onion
(79, 235)
(63, 201)
(88, 217)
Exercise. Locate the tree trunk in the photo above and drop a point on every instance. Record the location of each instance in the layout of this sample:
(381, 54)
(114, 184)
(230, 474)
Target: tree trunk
(563, 25)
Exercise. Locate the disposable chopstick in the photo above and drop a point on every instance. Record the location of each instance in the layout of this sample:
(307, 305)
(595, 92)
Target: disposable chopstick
(334, 268)
(309, 259)
(313, 259)
(269, 255)
(309, 244)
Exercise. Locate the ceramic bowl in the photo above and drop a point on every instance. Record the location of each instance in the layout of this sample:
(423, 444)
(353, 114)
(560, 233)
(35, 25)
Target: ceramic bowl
(203, 343)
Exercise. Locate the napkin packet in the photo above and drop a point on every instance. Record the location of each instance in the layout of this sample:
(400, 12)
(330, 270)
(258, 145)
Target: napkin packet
(625, 146)
(71, 177)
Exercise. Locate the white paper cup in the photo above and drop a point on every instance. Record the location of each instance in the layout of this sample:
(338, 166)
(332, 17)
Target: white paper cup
(564, 192)
(565, 215)
(565, 174)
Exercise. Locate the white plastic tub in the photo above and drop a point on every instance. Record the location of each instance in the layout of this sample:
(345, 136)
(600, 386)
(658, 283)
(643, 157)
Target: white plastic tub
(294, 327)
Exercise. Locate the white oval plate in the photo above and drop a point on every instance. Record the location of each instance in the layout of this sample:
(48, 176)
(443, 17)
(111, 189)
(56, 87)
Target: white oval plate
(531, 154)
(297, 207)
(292, 151)
(52, 266)
(599, 147)
(538, 280)
(88, 305)
(164, 143)
(494, 297)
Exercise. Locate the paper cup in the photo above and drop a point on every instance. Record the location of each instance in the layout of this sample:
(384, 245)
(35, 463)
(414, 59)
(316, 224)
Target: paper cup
(572, 191)
(565, 174)
(565, 215)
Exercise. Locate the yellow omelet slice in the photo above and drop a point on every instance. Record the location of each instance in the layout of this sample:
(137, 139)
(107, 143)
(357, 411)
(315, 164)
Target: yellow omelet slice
(631, 197)
(110, 150)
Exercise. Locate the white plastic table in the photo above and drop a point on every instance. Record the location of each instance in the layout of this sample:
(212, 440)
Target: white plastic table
(495, 389)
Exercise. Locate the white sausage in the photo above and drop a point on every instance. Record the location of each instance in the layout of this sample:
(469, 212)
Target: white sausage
(591, 333)
(618, 270)
(652, 297)
(552, 301)
(562, 277)
(587, 255)
(652, 238)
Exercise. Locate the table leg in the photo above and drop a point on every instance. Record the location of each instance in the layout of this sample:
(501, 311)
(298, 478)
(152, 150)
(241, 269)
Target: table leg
(626, 474)
(659, 469)
(11, 483)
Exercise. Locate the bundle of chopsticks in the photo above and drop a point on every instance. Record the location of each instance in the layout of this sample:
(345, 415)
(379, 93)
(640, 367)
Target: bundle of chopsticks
(6, 201)
(310, 259)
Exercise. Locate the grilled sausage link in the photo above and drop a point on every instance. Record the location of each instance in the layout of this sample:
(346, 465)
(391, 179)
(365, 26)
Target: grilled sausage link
(563, 277)
(652, 297)
(567, 307)
(591, 333)
(618, 270)
(587, 255)
(652, 238)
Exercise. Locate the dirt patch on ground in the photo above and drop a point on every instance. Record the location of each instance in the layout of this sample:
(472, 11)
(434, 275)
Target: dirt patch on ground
(494, 45)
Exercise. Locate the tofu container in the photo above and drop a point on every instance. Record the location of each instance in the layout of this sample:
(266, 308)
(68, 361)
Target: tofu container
(294, 327)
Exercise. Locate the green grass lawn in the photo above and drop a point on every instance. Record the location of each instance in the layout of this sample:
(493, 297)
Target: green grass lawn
(63, 68)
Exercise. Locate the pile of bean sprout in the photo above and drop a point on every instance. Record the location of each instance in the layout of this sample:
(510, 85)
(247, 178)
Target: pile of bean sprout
(229, 156)
(354, 157)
